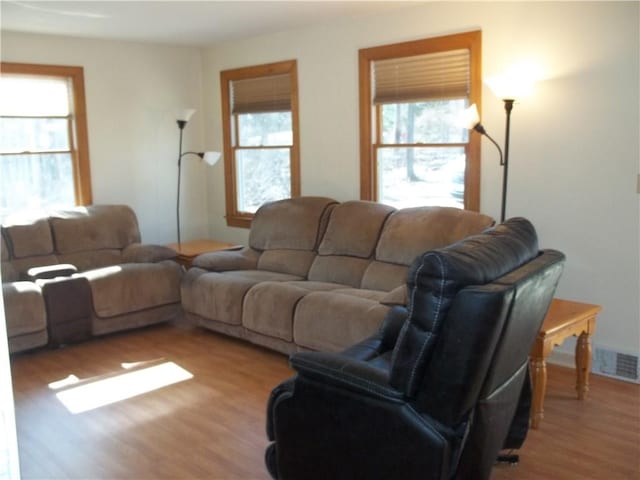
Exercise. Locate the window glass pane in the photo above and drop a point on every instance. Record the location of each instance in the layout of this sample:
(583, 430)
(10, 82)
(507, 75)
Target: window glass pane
(29, 95)
(33, 134)
(423, 122)
(31, 182)
(265, 129)
(416, 176)
(263, 175)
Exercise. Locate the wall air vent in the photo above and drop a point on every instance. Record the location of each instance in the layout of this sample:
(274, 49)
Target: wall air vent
(615, 364)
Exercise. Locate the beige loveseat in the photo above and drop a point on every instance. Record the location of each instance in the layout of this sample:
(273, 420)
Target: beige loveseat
(317, 274)
(118, 283)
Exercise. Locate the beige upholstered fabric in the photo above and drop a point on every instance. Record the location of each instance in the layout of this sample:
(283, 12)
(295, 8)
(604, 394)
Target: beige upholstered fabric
(220, 296)
(94, 228)
(338, 269)
(318, 275)
(30, 239)
(330, 321)
(384, 276)
(131, 284)
(130, 287)
(245, 259)
(412, 231)
(354, 228)
(290, 224)
(24, 308)
(294, 262)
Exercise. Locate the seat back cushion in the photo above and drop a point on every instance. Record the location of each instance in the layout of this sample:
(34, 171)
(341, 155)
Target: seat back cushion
(349, 242)
(437, 276)
(25, 245)
(291, 224)
(412, 231)
(97, 227)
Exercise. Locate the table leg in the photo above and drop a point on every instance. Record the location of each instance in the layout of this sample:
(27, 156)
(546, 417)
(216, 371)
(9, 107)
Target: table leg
(539, 383)
(583, 364)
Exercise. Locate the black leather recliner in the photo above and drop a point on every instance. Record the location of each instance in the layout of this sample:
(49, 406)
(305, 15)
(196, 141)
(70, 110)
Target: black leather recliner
(441, 388)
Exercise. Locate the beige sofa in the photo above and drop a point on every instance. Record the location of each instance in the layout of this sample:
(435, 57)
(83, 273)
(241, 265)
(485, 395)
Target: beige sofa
(317, 274)
(119, 283)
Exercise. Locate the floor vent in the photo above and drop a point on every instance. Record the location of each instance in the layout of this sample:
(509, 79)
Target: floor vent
(615, 364)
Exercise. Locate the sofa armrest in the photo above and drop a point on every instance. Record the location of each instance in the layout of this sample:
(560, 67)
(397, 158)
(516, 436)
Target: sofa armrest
(139, 253)
(225, 260)
(47, 272)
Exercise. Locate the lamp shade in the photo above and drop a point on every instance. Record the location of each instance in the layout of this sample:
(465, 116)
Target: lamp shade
(186, 114)
(469, 117)
(211, 158)
(515, 83)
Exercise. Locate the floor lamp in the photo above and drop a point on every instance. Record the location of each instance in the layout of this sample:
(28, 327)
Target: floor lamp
(210, 158)
(472, 122)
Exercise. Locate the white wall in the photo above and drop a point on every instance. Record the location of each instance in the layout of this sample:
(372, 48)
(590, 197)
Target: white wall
(574, 144)
(134, 93)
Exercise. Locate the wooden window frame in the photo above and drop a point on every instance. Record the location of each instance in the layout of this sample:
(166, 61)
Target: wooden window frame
(368, 161)
(236, 218)
(80, 140)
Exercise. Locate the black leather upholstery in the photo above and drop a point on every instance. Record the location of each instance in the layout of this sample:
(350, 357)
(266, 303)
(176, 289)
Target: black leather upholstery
(434, 394)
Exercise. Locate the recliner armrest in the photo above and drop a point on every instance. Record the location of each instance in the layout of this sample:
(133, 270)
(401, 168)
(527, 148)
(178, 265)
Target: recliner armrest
(347, 373)
(48, 272)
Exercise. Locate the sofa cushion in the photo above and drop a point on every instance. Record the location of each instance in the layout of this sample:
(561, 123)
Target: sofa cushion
(338, 269)
(92, 259)
(95, 227)
(294, 262)
(412, 231)
(328, 321)
(131, 287)
(295, 223)
(384, 276)
(354, 228)
(29, 239)
(220, 296)
(24, 308)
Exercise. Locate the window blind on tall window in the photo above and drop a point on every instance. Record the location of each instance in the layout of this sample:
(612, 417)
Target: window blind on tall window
(431, 76)
(261, 94)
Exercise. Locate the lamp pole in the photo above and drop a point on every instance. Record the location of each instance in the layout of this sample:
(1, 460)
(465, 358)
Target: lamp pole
(181, 125)
(508, 106)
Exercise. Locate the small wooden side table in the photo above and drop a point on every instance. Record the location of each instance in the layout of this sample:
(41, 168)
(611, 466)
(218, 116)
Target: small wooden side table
(564, 319)
(187, 251)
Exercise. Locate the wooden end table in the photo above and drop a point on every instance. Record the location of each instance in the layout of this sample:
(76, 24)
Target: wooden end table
(564, 319)
(187, 251)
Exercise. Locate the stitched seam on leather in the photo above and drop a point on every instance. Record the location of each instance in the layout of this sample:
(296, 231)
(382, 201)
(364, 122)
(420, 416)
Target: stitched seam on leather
(435, 321)
(348, 378)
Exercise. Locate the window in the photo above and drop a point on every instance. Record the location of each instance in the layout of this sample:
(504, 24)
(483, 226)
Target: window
(412, 150)
(44, 151)
(260, 128)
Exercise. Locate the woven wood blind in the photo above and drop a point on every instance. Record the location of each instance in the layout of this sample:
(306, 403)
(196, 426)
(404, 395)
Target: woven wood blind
(261, 94)
(432, 76)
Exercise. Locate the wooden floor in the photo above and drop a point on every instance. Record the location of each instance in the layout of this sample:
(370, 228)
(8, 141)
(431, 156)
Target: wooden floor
(213, 425)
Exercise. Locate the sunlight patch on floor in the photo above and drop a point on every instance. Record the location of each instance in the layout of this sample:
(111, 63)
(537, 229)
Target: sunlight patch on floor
(105, 391)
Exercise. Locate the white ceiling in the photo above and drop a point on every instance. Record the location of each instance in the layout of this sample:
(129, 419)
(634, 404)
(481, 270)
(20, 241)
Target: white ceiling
(187, 23)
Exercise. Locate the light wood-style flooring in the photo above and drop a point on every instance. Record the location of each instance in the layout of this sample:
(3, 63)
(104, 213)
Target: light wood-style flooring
(212, 426)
